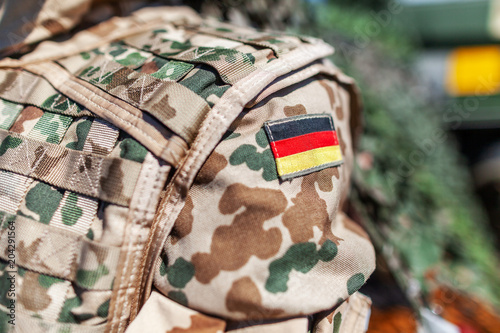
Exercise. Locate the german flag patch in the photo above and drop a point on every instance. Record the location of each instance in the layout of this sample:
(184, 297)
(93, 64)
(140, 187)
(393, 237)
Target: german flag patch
(303, 144)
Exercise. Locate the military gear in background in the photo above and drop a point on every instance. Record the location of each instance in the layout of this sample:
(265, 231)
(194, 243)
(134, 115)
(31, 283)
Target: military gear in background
(165, 173)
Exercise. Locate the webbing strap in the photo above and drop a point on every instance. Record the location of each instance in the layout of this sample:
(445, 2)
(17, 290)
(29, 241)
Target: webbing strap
(279, 43)
(109, 179)
(231, 64)
(177, 107)
(25, 88)
(8, 113)
(50, 250)
(29, 323)
(101, 138)
(165, 145)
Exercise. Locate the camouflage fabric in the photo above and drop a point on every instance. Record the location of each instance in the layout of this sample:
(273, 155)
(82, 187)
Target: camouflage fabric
(140, 190)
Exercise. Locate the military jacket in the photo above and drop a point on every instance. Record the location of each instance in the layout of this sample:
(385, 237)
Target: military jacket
(164, 173)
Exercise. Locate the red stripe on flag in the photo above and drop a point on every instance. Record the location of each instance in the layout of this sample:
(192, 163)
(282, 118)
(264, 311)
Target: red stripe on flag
(304, 142)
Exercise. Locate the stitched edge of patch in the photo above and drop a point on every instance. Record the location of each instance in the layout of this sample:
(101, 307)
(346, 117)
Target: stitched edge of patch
(267, 128)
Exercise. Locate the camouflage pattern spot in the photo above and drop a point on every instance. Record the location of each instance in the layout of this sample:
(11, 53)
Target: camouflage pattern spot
(159, 62)
(301, 257)
(103, 309)
(324, 178)
(184, 222)
(116, 172)
(178, 296)
(70, 211)
(87, 278)
(90, 234)
(8, 113)
(214, 164)
(337, 321)
(7, 219)
(355, 282)
(82, 130)
(9, 142)
(27, 114)
(24, 252)
(60, 103)
(133, 59)
(230, 135)
(180, 273)
(176, 47)
(89, 71)
(204, 81)
(51, 127)
(173, 70)
(85, 55)
(21, 271)
(66, 315)
(328, 251)
(255, 161)
(47, 281)
(53, 26)
(117, 49)
(331, 97)
(132, 150)
(295, 110)
(246, 232)
(4, 322)
(149, 67)
(201, 324)
(42, 159)
(43, 200)
(247, 154)
(158, 31)
(261, 138)
(341, 141)
(163, 265)
(310, 211)
(208, 54)
(244, 297)
(223, 29)
(33, 290)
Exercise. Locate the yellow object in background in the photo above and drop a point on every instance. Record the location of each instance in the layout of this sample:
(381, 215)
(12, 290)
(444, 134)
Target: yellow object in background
(473, 71)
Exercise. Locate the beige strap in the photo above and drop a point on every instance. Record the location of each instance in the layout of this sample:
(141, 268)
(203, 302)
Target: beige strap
(31, 324)
(177, 107)
(57, 252)
(167, 146)
(109, 179)
(25, 88)
(232, 65)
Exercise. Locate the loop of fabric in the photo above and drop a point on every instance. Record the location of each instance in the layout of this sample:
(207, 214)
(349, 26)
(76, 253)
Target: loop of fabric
(109, 179)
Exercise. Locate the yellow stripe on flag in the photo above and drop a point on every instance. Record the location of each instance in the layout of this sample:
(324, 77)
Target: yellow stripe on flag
(308, 159)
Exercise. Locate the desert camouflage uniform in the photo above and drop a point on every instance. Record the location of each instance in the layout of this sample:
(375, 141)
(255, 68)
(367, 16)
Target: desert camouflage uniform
(141, 192)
